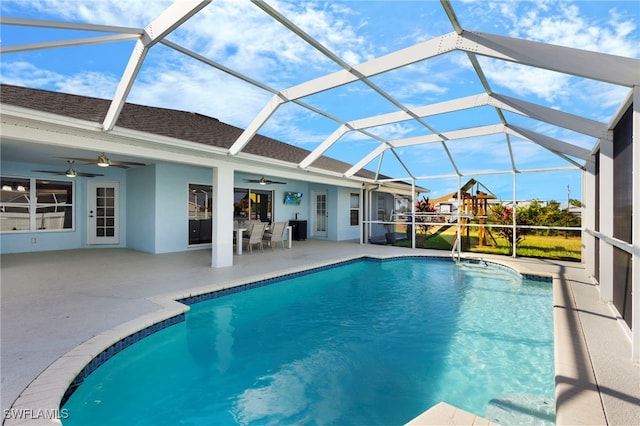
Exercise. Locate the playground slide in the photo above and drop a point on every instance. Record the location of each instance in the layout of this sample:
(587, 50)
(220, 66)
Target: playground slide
(441, 230)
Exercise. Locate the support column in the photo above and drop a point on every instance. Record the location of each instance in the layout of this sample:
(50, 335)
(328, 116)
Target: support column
(222, 221)
(589, 217)
(606, 218)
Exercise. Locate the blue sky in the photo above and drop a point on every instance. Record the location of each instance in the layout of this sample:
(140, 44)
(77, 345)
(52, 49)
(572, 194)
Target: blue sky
(237, 34)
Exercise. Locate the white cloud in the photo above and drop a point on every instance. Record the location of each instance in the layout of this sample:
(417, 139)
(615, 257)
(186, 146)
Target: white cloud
(569, 26)
(295, 125)
(235, 33)
(526, 81)
(21, 73)
(123, 13)
(243, 37)
(561, 23)
(421, 83)
(187, 85)
(609, 99)
(392, 131)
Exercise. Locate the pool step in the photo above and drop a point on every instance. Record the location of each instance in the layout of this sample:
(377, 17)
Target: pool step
(522, 409)
(445, 414)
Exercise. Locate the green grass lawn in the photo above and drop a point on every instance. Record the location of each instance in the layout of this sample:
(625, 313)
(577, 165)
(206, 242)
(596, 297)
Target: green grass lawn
(540, 246)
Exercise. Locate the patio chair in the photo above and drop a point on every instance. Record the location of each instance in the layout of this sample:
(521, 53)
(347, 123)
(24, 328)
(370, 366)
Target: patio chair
(275, 234)
(249, 225)
(255, 237)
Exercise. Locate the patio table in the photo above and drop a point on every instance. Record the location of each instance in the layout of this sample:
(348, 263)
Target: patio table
(239, 232)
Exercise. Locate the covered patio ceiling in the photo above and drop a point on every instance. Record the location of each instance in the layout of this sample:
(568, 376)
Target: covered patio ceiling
(405, 135)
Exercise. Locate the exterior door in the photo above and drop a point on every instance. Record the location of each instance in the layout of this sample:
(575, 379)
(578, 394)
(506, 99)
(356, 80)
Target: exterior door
(103, 224)
(320, 216)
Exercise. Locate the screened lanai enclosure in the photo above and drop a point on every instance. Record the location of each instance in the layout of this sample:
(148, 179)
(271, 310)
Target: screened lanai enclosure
(430, 100)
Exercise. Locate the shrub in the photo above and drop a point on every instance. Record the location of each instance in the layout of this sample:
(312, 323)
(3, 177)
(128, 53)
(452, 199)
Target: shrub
(502, 215)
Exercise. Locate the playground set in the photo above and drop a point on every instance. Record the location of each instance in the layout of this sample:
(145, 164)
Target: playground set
(473, 206)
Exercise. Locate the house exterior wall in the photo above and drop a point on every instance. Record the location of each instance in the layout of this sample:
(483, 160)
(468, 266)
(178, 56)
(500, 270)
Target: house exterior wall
(344, 229)
(338, 205)
(64, 239)
(172, 186)
(153, 208)
(141, 218)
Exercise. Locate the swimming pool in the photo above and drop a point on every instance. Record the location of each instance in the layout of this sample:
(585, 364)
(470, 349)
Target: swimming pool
(367, 342)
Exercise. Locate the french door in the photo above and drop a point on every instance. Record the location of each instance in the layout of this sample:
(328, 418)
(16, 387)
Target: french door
(320, 216)
(103, 218)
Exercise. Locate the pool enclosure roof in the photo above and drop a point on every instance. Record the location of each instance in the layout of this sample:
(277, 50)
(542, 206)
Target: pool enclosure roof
(449, 73)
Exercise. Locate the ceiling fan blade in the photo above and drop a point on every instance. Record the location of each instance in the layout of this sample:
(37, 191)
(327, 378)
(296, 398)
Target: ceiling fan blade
(114, 163)
(88, 174)
(84, 160)
(56, 172)
(125, 164)
(263, 181)
(53, 172)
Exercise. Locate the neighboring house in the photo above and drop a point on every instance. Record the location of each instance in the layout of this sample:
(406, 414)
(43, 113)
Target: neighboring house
(180, 189)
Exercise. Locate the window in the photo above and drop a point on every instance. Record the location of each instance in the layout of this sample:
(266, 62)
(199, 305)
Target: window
(35, 204)
(355, 210)
(200, 211)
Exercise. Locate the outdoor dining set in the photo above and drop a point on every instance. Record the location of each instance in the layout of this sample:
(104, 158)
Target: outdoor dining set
(257, 233)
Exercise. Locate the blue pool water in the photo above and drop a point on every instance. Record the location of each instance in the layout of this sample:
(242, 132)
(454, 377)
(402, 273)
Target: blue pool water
(367, 342)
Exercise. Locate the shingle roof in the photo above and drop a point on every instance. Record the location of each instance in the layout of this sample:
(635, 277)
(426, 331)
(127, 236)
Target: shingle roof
(182, 125)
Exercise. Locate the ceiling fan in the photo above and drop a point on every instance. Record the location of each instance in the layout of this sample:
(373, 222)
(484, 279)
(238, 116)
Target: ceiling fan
(104, 161)
(70, 172)
(263, 181)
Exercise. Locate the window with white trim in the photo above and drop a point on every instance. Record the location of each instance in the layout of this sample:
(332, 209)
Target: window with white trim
(354, 210)
(30, 204)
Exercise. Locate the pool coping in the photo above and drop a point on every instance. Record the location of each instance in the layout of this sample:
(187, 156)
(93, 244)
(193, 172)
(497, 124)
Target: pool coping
(52, 386)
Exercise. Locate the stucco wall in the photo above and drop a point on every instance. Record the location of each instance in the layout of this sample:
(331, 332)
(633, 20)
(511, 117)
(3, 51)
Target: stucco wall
(172, 186)
(64, 239)
(153, 208)
(140, 216)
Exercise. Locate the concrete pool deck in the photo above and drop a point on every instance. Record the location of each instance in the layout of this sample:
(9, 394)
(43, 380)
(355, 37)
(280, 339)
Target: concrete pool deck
(52, 302)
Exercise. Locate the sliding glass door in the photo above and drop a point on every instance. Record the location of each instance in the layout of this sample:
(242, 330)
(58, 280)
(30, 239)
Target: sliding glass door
(252, 204)
(200, 213)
